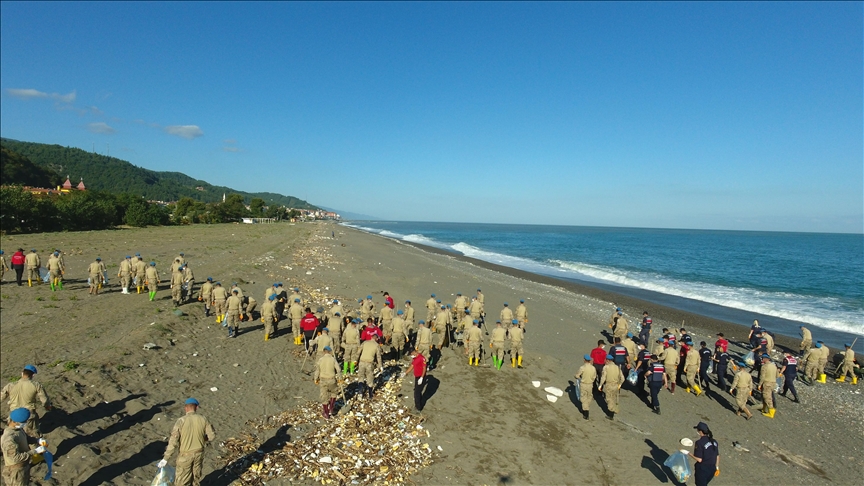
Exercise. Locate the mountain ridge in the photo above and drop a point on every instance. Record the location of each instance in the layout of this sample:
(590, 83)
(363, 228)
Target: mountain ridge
(105, 173)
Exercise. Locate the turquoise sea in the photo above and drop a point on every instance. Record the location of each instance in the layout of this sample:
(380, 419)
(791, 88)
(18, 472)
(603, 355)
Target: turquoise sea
(784, 279)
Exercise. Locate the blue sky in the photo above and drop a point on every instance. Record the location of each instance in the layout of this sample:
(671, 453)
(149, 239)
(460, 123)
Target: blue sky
(685, 115)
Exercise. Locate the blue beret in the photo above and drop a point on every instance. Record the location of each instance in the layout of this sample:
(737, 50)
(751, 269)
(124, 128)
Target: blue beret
(328, 330)
(272, 297)
(328, 348)
(506, 304)
(587, 357)
(368, 296)
(515, 321)
(522, 300)
(191, 401)
(399, 312)
(433, 295)
(31, 368)
(20, 415)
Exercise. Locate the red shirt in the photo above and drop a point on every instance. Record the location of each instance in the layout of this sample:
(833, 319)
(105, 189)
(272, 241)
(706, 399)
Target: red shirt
(723, 344)
(419, 364)
(309, 323)
(389, 301)
(598, 354)
(17, 258)
(371, 331)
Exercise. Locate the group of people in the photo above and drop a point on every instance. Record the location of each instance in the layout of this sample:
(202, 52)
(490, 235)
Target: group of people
(674, 358)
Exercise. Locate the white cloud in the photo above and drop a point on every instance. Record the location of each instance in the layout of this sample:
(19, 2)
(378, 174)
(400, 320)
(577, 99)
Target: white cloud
(186, 131)
(30, 93)
(96, 111)
(230, 149)
(229, 140)
(100, 127)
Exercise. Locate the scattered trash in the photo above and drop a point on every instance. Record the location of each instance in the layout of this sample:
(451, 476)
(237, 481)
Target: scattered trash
(554, 391)
(737, 446)
(552, 398)
(377, 441)
(149, 346)
(686, 442)
(141, 365)
(214, 389)
(536, 384)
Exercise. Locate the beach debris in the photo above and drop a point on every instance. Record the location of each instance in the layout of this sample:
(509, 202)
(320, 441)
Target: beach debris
(141, 365)
(687, 442)
(738, 447)
(149, 346)
(554, 391)
(536, 384)
(552, 398)
(214, 389)
(377, 441)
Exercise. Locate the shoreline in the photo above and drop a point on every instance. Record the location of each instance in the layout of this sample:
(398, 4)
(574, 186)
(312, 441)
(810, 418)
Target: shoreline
(653, 302)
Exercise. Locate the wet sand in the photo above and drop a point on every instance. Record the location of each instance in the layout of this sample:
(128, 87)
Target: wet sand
(493, 426)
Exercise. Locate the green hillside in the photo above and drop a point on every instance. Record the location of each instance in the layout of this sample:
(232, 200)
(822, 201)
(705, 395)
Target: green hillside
(15, 169)
(114, 175)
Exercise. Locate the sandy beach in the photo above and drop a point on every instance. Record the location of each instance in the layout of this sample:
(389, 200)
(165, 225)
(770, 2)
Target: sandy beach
(116, 402)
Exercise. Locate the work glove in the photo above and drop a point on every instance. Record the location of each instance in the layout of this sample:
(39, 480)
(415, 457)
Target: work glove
(717, 472)
(420, 381)
(39, 450)
(162, 464)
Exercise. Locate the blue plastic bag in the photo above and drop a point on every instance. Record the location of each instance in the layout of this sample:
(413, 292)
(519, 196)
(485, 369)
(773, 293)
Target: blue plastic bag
(49, 461)
(577, 389)
(165, 476)
(679, 464)
(632, 377)
(750, 358)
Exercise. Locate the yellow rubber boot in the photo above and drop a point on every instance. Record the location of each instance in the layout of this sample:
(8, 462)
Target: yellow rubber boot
(476, 361)
(513, 364)
(29, 283)
(266, 337)
(520, 361)
(821, 378)
(770, 413)
(841, 379)
(688, 389)
(854, 379)
(470, 360)
(698, 390)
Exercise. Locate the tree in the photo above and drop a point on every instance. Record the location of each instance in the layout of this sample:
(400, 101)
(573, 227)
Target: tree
(256, 207)
(137, 214)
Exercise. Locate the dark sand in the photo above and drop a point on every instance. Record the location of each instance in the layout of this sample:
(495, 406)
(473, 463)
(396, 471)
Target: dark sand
(493, 426)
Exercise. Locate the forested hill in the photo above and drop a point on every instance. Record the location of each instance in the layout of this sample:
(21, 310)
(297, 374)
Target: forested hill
(114, 175)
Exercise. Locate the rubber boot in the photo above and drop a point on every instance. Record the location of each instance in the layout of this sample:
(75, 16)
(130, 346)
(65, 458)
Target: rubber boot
(494, 361)
(611, 416)
(672, 388)
(476, 361)
(698, 390)
(770, 413)
(585, 415)
(325, 411)
(821, 378)
(841, 379)
(332, 405)
(266, 337)
(470, 360)
(854, 379)
(345, 368)
(60, 284)
(520, 361)
(351, 367)
(513, 362)
(687, 390)
(29, 283)
(52, 286)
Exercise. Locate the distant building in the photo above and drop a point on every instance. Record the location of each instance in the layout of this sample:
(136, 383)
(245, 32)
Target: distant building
(65, 188)
(199, 188)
